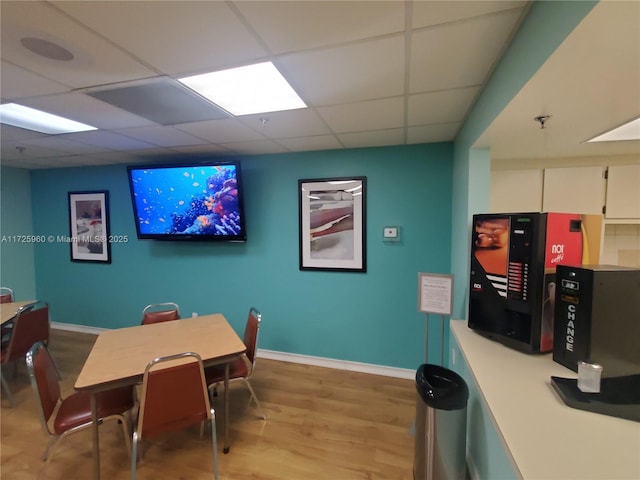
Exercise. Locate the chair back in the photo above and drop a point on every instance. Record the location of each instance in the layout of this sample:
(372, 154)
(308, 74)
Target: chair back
(6, 295)
(31, 324)
(174, 395)
(251, 330)
(44, 380)
(160, 312)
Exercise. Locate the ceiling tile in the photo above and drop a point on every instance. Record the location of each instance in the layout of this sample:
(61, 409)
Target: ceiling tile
(431, 13)
(372, 115)
(433, 133)
(83, 108)
(359, 71)
(302, 144)
(221, 131)
(109, 140)
(377, 138)
(254, 148)
(162, 136)
(95, 62)
(302, 122)
(17, 82)
(440, 107)
(472, 49)
(176, 37)
(290, 26)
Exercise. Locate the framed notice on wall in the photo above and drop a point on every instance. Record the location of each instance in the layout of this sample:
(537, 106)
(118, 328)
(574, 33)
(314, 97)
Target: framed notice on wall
(435, 293)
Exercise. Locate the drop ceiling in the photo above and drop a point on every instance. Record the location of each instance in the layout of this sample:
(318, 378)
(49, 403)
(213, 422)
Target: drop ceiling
(373, 73)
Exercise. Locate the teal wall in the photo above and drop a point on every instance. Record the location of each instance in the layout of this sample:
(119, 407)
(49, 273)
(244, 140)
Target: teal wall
(547, 24)
(16, 254)
(370, 317)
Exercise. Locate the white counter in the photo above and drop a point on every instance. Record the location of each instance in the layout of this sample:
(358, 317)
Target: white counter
(545, 438)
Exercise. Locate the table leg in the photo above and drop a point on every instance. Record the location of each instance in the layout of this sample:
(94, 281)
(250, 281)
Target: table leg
(96, 437)
(225, 449)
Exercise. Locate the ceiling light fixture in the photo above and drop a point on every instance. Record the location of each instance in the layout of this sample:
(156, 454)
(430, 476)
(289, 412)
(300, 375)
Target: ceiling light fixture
(628, 131)
(39, 121)
(258, 88)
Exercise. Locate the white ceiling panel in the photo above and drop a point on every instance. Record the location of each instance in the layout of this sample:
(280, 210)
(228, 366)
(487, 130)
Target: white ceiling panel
(375, 138)
(440, 107)
(176, 37)
(295, 123)
(430, 13)
(303, 144)
(16, 82)
(432, 133)
(95, 60)
(292, 26)
(221, 131)
(110, 140)
(471, 53)
(373, 115)
(162, 136)
(255, 148)
(354, 72)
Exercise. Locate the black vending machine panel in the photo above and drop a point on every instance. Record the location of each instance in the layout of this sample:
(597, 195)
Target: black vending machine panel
(597, 318)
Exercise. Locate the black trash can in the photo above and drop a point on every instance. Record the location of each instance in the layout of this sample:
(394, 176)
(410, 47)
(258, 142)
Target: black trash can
(441, 424)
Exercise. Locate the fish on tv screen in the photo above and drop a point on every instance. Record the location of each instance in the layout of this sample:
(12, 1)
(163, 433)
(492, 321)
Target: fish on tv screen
(188, 202)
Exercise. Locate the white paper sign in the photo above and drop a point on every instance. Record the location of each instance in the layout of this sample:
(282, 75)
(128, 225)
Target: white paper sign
(435, 293)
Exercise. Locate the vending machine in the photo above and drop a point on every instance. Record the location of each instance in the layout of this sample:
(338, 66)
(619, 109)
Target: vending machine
(512, 277)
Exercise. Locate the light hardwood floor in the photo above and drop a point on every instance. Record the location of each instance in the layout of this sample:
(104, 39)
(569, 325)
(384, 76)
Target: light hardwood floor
(322, 424)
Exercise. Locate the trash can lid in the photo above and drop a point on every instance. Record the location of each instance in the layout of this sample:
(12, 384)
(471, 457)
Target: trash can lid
(441, 388)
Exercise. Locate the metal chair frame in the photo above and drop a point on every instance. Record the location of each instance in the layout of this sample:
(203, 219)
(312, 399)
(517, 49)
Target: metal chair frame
(154, 367)
(39, 348)
(10, 356)
(164, 307)
(253, 312)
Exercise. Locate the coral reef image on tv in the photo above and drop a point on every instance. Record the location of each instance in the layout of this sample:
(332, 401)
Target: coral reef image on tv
(188, 202)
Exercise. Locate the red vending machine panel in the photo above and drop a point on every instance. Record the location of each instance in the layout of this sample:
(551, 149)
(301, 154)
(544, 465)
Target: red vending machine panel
(513, 260)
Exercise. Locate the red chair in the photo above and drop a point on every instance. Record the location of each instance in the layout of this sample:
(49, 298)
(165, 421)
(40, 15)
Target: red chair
(72, 413)
(174, 397)
(30, 325)
(160, 312)
(6, 295)
(243, 367)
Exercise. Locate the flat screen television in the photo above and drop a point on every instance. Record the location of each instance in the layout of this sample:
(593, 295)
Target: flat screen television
(188, 201)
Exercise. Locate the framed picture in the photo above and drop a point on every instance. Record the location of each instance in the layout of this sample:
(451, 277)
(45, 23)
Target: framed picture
(89, 226)
(332, 224)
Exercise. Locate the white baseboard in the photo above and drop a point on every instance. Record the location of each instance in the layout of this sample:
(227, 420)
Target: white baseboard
(285, 357)
(338, 364)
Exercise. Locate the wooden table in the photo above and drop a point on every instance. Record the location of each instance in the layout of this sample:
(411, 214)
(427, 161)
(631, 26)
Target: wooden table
(8, 310)
(119, 358)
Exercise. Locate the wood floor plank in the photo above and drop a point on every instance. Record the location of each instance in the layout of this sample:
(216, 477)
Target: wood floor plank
(323, 424)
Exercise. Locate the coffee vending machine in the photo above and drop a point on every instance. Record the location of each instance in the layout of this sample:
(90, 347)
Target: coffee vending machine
(512, 277)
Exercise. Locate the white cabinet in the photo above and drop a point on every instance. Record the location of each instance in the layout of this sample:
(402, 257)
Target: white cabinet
(623, 192)
(516, 191)
(574, 190)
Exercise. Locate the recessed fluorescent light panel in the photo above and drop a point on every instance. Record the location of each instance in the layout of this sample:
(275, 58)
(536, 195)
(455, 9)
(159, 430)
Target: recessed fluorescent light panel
(628, 131)
(39, 121)
(258, 88)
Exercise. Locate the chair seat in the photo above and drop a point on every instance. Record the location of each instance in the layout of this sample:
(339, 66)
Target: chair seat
(75, 410)
(237, 369)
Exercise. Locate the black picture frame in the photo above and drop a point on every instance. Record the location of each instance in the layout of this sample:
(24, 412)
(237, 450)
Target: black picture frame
(332, 224)
(89, 229)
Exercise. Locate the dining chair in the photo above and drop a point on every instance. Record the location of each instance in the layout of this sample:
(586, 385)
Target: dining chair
(242, 368)
(6, 295)
(30, 325)
(160, 312)
(72, 413)
(174, 396)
